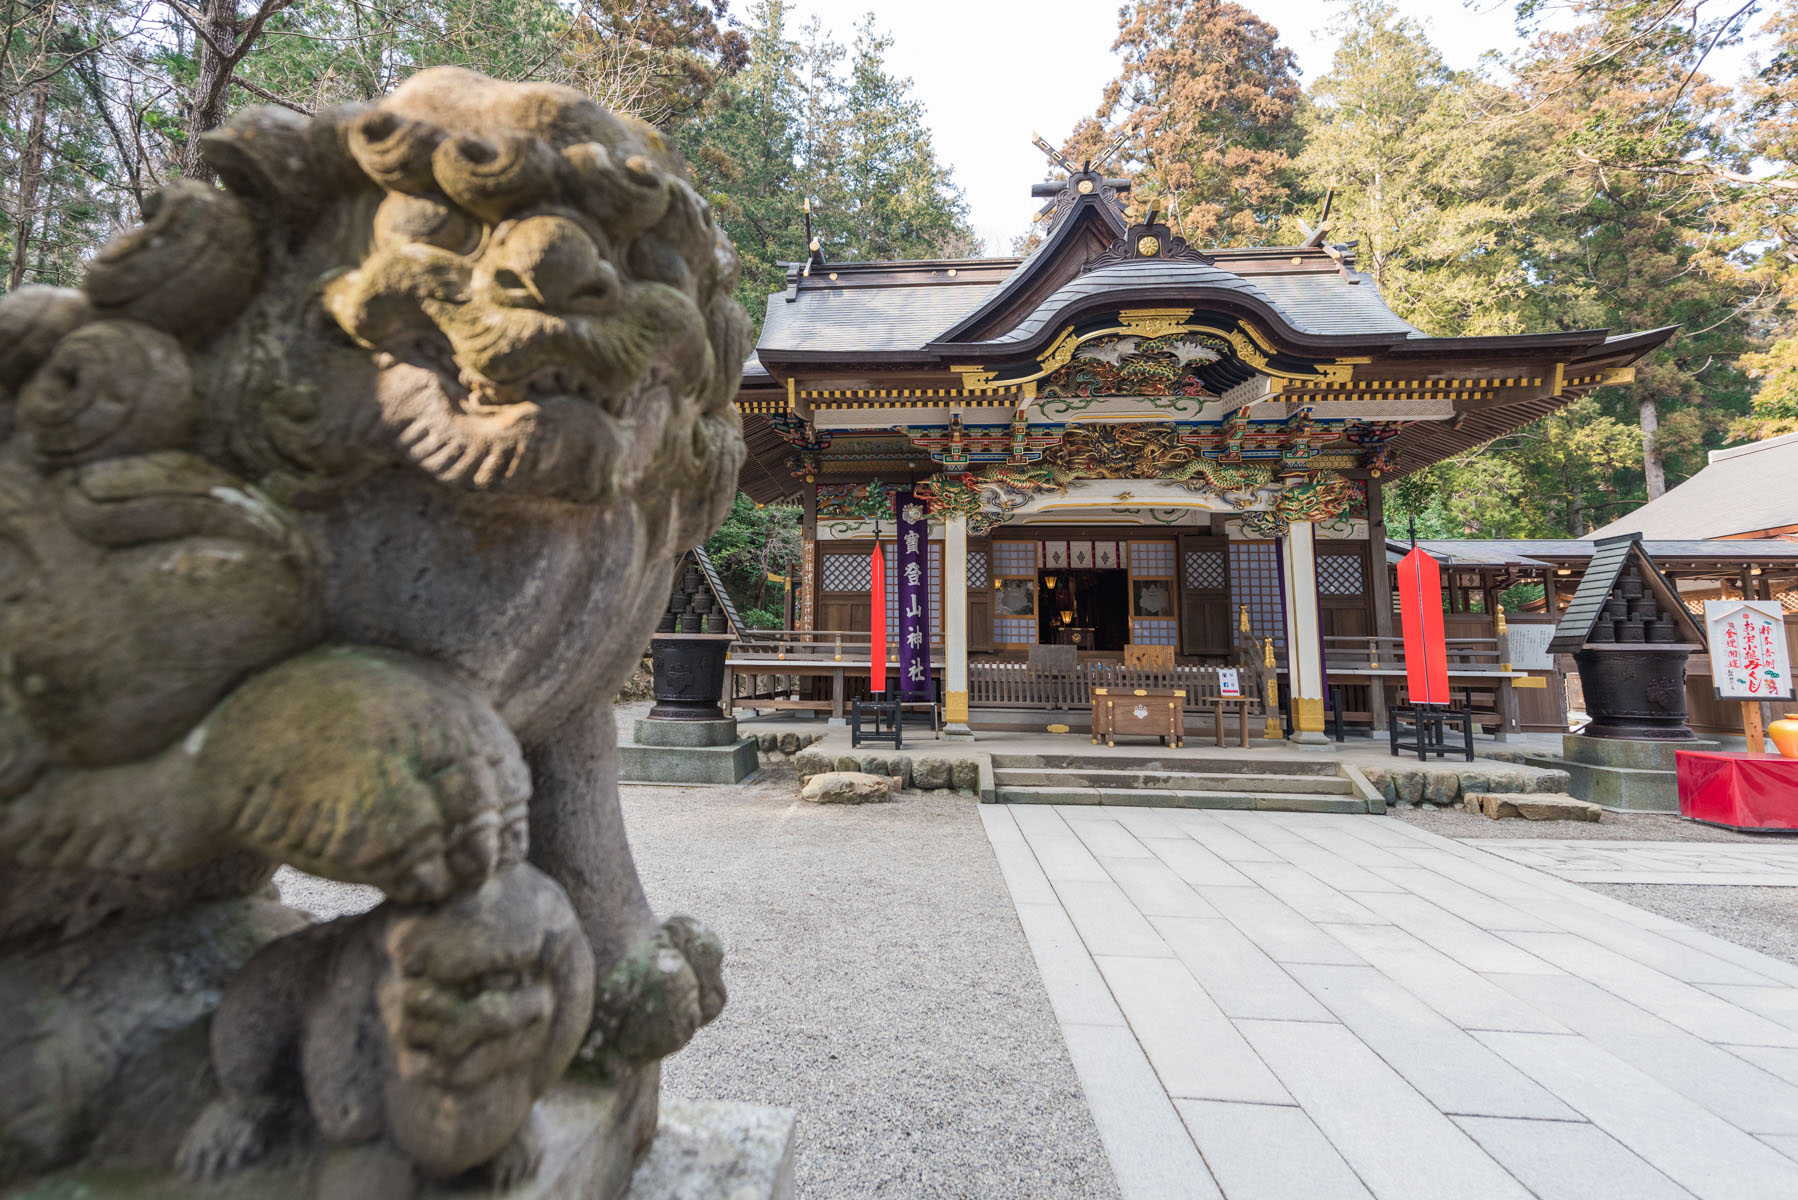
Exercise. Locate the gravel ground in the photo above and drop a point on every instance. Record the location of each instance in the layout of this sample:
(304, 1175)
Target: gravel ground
(1615, 827)
(880, 984)
(1760, 918)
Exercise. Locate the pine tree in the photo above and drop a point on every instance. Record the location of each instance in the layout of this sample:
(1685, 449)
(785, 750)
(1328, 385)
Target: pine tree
(1626, 96)
(1447, 201)
(1209, 99)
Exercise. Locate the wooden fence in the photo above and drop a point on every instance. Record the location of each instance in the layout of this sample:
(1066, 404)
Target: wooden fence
(1020, 685)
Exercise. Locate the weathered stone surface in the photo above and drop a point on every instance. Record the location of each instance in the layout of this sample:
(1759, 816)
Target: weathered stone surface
(813, 762)
(787, 742)
(848, 762)
(1549, 781)
(1381, 779)
(1408, 784)
(1499, 780)
(1441, 786)
(931, 773)
(768, 742)
(693, 764)
(964, 774)
(294, 543)
(1533, 806)
(726, 1151)
(875, 765)
(902, 771)
(652, 732)
(846, 787)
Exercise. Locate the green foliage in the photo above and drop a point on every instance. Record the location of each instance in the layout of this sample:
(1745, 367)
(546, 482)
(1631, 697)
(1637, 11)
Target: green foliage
(754, 543)
(1207, 102)
(808, 119)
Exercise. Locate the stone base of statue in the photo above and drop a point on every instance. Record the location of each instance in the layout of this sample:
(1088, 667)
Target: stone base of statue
(715, 1148)
(1631, 774)
(589, 1135)
(686, 752)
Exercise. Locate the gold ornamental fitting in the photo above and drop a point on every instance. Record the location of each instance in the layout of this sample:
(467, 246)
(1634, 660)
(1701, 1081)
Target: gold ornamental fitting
(1084, 187)
(1148, 245)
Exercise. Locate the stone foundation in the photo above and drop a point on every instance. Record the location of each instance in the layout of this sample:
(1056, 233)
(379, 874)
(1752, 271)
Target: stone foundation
(1634, 775)
(686, 752)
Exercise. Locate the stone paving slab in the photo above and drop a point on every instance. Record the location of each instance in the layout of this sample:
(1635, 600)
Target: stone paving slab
(1724, 864)
(1334, 1005)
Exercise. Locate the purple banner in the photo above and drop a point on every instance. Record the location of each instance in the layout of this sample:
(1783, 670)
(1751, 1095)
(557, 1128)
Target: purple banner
(914, 596)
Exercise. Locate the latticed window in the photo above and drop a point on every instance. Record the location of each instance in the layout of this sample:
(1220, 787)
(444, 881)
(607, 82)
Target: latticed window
(1255, 581)
(1340, 575)
(1145, 632)
(1012, 559)
(976, 569)
(846, 573)
(1205, 569)
(1152, 559)
(1008, 631)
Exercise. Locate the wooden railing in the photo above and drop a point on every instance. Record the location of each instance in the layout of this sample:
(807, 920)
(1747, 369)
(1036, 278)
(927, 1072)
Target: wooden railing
(1019, 685)
(1388, 653)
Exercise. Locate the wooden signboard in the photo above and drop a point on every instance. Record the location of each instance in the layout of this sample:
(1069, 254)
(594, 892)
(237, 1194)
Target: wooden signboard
(1749, 659)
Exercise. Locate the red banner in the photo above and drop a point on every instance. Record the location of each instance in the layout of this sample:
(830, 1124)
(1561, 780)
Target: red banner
(877, 622)
(1426, 644)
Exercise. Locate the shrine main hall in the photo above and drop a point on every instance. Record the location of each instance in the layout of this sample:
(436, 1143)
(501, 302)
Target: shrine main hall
(1123, 440)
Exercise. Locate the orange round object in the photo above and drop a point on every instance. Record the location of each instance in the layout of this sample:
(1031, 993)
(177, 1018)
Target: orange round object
(1784, 733)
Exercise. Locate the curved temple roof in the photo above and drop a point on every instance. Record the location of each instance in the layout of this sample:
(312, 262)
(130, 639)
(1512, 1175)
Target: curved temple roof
(1299, 316)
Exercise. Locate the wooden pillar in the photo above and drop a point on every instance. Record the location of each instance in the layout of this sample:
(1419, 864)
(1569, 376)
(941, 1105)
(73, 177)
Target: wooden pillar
(955, 625)
(1304, 647)
(1507, 696)
(1380, 581)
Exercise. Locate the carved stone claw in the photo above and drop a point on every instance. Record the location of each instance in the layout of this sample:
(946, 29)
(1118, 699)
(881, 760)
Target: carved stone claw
(229, 1135)
(518, 1161)
(652, 1002)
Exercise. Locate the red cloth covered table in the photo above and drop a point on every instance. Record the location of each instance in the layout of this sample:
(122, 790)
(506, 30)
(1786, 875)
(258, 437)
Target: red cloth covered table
(1746, 791)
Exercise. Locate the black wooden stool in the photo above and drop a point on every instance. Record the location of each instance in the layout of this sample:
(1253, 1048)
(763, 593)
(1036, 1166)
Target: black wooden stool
(1428, 725)
(886, 721)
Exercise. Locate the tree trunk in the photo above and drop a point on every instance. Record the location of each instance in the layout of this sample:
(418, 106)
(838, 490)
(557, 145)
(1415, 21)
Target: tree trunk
(1652, 467)
(31, 178)
(212, 86)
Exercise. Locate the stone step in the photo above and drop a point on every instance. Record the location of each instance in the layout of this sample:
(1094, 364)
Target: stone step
(1531, 806)
(1150, 798)
(1172, 781)
(1174, 761)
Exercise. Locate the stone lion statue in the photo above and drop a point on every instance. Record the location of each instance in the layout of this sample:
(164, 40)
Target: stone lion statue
(334, 508)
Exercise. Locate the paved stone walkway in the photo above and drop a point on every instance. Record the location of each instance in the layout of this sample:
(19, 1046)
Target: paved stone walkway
(1267, 1006)
(1725, 864)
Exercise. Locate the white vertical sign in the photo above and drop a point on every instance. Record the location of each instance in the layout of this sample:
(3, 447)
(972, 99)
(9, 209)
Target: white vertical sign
(1749, 658)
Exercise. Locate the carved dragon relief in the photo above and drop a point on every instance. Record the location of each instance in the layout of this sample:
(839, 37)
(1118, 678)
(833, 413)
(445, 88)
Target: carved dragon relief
(1269, 501)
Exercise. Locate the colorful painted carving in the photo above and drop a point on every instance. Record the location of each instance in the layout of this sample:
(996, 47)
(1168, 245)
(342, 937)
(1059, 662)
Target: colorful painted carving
(1130, 365)
(1147, 452)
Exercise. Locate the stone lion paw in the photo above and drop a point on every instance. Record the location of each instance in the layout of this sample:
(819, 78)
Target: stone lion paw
(518, 1160)
(652, 1002)
(228, 1136)
(370, 767)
